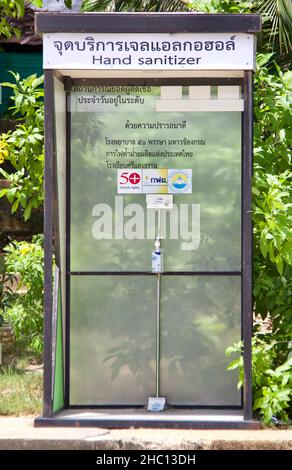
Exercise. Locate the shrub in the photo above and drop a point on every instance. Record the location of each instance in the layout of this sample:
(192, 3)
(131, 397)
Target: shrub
(271, 384)
(24, 146)
(25, 306)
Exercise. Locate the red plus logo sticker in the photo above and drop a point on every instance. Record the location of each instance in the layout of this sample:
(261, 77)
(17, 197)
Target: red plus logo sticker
(130, 181)
(134, 178)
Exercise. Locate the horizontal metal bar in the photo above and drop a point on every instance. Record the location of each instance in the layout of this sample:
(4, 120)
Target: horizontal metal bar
(131, 405)
(149, 273)
(191, 81)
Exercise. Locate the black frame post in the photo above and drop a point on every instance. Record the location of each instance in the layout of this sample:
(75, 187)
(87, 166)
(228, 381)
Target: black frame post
(247, 243)
(48, 240)
(67, 89)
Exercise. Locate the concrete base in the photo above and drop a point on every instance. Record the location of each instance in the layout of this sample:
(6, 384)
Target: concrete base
(19, 433)
(137, 418)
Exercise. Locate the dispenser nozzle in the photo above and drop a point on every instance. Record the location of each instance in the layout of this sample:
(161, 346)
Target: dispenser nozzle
(157, 244)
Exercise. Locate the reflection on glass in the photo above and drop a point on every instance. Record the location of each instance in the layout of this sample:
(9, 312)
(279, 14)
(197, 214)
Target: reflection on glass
(200, 318)
(112, 340)
(121, 129)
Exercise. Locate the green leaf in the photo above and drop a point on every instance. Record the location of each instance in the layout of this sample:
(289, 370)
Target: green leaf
(18, 101)
(287, 79)
(19, 4)
(23, 200)
(10, 85)
(263, 59)
(233, 365)
(257, 404)
(263, 247)
(10, 194)
(4, 173)
(16, 32)
(15, 206)
(268, 414)
(255, 191)
(27, 212)
(3, 192)
(279, 264)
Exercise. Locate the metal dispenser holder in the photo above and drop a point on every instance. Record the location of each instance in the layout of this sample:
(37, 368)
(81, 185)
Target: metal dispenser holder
(157, 403)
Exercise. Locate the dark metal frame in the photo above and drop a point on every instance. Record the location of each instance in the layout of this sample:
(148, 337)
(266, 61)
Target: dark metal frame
(139, 422)
(246, 240)
(48, 240)
(68, 242)
(69, 273)
(51, 239)
(142, 23)
(147, 23)
(247, 308)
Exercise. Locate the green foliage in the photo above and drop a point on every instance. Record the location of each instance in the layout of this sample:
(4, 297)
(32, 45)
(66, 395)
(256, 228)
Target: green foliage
(134, 5)
(272, 108)
(10, 9)
(272, 217)
(277, 22)
(6, 281)
(221, 6)
(276, 16)
(272, 384)
(25, 309)
(25, 146)
(272, 201)
(274, 397)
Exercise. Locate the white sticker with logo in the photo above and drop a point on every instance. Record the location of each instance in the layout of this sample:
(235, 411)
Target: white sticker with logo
(160, 181)
(155, 181)
(129, 181)
(163, 201)
(179, 181)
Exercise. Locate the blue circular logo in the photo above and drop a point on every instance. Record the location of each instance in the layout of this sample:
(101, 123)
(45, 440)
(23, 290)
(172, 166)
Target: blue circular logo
(179, 181)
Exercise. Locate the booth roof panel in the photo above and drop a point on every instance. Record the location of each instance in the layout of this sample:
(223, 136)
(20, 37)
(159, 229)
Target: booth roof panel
(146, 23)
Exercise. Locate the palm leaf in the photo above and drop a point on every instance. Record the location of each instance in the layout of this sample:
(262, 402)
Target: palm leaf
(134, 5)
(277, 15)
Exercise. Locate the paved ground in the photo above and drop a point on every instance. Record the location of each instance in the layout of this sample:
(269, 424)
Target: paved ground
(19, 433)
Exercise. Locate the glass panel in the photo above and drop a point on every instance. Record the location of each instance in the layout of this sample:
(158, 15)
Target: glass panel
(200, 318)
(123, 128)
(112, 339)
(58, 396)
(60, 141)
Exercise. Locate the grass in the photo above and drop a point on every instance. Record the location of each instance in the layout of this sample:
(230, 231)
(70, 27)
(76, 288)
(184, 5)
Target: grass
(20, 392)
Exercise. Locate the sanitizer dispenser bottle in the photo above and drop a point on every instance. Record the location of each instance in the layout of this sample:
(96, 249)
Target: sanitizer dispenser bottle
(157, 265)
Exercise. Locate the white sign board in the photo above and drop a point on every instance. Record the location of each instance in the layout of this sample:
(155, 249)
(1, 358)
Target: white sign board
(139, 51)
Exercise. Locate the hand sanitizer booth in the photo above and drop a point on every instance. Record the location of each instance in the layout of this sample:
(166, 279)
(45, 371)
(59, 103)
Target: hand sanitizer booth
(148, 123)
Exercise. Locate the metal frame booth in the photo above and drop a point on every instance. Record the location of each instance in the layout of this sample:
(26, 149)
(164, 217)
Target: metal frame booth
(117, 332)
